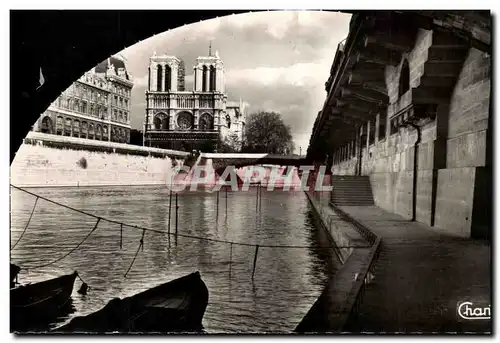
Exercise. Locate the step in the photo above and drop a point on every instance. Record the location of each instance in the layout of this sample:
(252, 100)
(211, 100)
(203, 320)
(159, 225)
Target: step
(441, 38)
(438, 81)
(432, 68)
(352, 194)
(447, 54)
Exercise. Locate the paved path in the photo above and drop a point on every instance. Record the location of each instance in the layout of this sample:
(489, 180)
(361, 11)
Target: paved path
(420, 276)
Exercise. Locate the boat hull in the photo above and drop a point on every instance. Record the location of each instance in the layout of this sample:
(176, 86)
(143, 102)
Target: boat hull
(36, 305)
(176, 306)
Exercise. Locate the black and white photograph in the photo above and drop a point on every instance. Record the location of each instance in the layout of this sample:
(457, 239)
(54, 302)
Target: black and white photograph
(210, 172)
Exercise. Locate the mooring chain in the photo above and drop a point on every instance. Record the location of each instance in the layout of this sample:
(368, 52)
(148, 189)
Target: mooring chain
(69, 252)
(27, 224)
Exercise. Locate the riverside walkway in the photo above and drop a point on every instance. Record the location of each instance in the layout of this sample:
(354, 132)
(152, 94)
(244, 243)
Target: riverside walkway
(421, 274)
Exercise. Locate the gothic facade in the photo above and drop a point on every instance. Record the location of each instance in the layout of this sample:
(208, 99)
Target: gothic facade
(182, 119)
(96, 106)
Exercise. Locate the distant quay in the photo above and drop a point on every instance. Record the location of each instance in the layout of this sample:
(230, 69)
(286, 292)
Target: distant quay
(52, 161)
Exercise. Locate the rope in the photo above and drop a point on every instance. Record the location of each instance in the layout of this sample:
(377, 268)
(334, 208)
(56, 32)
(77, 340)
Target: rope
(185, 235)
(141, 246)
(69, 252)
(27, 224)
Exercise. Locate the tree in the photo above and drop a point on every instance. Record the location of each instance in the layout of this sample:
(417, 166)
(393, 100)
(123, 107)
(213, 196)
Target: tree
(229, 144)
(136, 137)
(267, 133)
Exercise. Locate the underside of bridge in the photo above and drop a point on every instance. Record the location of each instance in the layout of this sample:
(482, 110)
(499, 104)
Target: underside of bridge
(408, 104)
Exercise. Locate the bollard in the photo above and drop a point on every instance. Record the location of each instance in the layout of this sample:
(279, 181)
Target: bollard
(169, 212)
(255, 259)
(176, 215)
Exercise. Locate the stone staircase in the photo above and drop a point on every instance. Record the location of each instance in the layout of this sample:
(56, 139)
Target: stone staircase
(349, 190)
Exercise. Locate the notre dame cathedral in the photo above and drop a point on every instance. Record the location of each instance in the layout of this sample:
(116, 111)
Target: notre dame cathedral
(188, 120)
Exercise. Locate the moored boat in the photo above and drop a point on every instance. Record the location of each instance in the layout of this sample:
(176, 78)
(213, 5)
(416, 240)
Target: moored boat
(34, 305)
(14, 270)
(175, 306)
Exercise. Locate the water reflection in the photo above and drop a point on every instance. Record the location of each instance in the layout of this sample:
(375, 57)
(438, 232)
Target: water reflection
(286, 282)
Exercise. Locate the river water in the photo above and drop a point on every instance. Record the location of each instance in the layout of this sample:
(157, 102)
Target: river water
(287, 281)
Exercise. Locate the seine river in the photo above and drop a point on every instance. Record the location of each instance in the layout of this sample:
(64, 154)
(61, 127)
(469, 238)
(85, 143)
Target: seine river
(287, 281)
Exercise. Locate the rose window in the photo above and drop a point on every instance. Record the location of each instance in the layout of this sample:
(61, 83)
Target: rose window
(185, 121)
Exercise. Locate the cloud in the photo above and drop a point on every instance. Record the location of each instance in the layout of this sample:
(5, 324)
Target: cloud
(141, 81)
(296, 74)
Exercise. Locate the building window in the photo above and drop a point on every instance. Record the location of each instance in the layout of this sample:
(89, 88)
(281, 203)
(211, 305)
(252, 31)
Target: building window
(125, 116)
(116, 100)
(84, 107)
(126, 104)
(158, 78)
(204, 79)
(404, 78)
(67, 127)
(98, 132)
(212, 78)
(168, 78)
(115, 114)
(228, 121)
(59, 125)
(76, 128)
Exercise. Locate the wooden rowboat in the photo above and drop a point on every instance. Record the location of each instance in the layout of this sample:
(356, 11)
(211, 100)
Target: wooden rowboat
(37, 304)
(176, 306)
(14, 270)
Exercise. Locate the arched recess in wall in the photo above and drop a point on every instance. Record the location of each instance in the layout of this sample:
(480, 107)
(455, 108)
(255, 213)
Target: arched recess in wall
(84, 129)
(206, 122)
(212, 78)
(91, 131)
(204, 79)
(228, 121)
(76, 128)
(105, 132)
(159, 78)
(47, 126)
(404, 78)
(168, 78)
(67, 126)
(59, 125)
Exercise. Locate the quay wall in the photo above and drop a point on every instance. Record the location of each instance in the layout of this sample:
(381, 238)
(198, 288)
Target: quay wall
(332, 309)
(39, 165)
(45, 160)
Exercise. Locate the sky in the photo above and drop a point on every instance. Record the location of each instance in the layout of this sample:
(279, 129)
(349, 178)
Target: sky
(275, 61)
